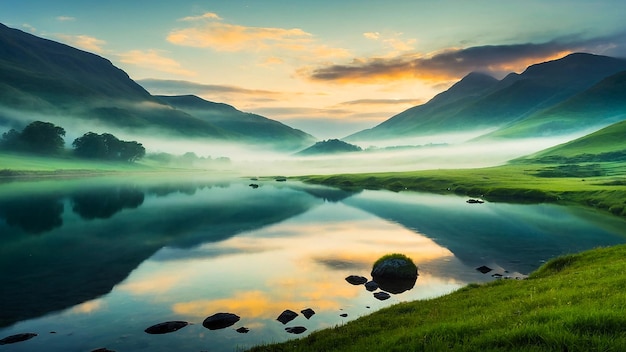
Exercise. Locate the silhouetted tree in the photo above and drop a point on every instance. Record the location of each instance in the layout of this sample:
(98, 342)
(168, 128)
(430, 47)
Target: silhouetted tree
(107, 146)
(38, 137)
(43, 137)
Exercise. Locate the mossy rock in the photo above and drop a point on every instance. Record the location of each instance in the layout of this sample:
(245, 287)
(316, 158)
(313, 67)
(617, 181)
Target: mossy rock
(394, 266)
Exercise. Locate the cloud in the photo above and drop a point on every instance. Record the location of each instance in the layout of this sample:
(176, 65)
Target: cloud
(229, 37)
(454, 63)
(154, 60)
(205, 16)
(66, 18)
(372, 35)
(84, 42)
(383, 102)
(212, 33)
(159, 86)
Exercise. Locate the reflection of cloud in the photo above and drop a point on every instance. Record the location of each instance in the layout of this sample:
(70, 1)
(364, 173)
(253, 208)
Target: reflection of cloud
(84, 42)
(154, 60)
(205, 16)
(250, 304)
(66, 18)
(88, 307)
(454, 63)
(157, 282)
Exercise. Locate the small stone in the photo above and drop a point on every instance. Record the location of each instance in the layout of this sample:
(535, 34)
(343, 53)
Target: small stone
(371, 286)
(356, 280)
(308, 313)
(287, 316)
(17, 338)
(166, 327)
(220, 321)
(382, 295)
(243, 330)
(484, 269)
(344, 315)
(296, 330)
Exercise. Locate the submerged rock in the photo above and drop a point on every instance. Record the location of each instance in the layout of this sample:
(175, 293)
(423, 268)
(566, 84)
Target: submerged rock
(220, 321)
(381, 296)
(484, 269)
(296, 330)
(17, 338)
(356, 280)
(287, 316)
(166, 327)
(243, 330)
(371, 286)
(308, 313)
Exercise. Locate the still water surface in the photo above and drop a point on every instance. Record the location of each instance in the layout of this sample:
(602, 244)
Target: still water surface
(91, 263)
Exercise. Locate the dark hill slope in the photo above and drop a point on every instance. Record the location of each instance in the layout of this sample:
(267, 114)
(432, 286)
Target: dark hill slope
(446, 103)
(252, 127)
(602, 104)
(514, 98)
(330, 146)
(53, 79)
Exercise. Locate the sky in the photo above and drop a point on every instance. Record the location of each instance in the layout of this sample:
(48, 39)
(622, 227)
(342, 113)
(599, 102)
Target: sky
(331, 68)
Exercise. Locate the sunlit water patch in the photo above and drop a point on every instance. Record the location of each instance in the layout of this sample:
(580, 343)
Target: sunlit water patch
(89, 264)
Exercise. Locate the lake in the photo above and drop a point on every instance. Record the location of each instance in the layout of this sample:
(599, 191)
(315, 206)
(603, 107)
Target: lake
(90, 263)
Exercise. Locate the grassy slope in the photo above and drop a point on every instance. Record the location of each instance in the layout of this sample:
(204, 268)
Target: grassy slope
(518, 183)
(572, 303)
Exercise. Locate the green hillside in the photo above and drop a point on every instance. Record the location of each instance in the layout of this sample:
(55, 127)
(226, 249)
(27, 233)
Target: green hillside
(573, 303)
(601, 104)
(607, 144)
(245, 126)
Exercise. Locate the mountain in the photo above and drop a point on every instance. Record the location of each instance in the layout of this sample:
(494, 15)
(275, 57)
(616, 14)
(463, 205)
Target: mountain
(330, 146)
(251, 127)
(446, 103)
(598, 106)
(68, 86)
(494, 104)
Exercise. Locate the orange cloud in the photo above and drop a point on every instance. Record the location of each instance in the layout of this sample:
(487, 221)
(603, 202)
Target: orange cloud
(154, 60)
(205, 16)
(84, 42)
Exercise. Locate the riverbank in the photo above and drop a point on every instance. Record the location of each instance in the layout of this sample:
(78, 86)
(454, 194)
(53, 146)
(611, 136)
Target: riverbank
(572, 303)
(600, 186)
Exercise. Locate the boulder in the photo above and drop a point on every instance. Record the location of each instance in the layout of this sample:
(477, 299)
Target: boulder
(287, 316)
(382, 295)
(395, 273)
(296, 330)
(371, 286)
(308, 313)
(17, 338)
(220, 321)
(356, 280)
(166, 327)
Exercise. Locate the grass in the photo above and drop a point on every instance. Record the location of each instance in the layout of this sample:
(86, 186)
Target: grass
(572, 303)
(598, 185)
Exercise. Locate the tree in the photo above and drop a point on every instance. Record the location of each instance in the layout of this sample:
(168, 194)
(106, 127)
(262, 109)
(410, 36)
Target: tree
(108, 147)
(43, 137)
(38, 137)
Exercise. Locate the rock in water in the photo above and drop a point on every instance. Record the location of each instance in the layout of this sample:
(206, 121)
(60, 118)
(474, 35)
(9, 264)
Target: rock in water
(371, 286)
(382, 295)
(287, 316)
(220, 321)
(356, 280)
(166, 327)
(308, 313)
(243, 330)
(17, 338)
(484, 269)
(395, 273)
(296, 330)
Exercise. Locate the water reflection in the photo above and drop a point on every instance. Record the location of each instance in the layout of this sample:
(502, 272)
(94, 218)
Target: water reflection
(34, 215)
(126, 254)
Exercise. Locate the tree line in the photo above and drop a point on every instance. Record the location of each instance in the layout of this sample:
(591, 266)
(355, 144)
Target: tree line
(46, 138)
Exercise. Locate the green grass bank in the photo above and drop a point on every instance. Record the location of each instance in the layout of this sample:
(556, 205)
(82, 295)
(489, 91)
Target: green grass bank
(598, 185)
(572, 303)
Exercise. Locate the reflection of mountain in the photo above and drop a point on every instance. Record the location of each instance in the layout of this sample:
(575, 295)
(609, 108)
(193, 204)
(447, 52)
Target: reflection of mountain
(516, 237)
(84, 259)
